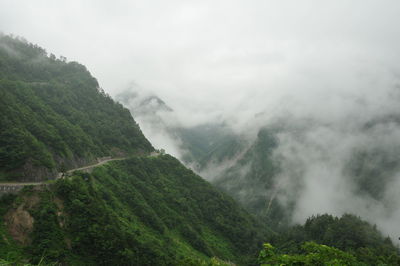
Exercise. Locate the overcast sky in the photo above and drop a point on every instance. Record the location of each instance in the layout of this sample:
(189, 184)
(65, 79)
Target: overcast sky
(196, 53)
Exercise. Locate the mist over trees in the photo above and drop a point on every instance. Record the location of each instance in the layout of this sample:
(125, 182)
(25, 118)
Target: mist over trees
(298, 161)
(288, 108)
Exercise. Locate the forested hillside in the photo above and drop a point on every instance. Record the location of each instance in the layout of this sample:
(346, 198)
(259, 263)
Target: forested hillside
(53, 113)
(145, 209)
(141, 211)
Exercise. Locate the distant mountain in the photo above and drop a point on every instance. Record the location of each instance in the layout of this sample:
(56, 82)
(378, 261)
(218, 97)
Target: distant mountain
(250, 178)
(256, 175)
(143, 105)
(195, 144)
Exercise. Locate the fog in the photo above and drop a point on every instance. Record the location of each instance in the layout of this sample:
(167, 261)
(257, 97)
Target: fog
(315, 159)
(249, 64)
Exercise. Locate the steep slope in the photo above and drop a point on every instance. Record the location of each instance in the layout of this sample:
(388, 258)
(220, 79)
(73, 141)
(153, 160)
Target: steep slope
(141, 211)
(144, 210)
(53, 114)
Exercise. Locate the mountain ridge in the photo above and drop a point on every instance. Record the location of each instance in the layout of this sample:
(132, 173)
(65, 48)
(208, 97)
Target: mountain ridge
(54, 114)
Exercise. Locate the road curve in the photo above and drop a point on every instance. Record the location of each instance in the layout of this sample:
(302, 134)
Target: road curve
(59, 175)
(93, 165)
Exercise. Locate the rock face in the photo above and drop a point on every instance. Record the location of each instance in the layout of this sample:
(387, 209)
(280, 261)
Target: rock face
(19, 222)
(33, 173)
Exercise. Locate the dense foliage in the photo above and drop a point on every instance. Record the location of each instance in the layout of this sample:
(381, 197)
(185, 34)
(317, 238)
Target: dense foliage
(313, 254)
(53, 113)
(348, 233)
(141, 211)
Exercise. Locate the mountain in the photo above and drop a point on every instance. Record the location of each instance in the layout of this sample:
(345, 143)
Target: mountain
(144, 209)
(53, 114)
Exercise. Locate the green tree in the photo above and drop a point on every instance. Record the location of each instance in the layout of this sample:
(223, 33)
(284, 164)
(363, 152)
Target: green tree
(313, 254)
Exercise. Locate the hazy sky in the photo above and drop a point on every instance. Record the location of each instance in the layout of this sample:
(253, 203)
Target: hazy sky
(196, 53)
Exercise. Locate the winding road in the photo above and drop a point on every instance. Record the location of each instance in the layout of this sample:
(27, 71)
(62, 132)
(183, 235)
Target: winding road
(14, 186)
(89, 167)
(7, 187)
